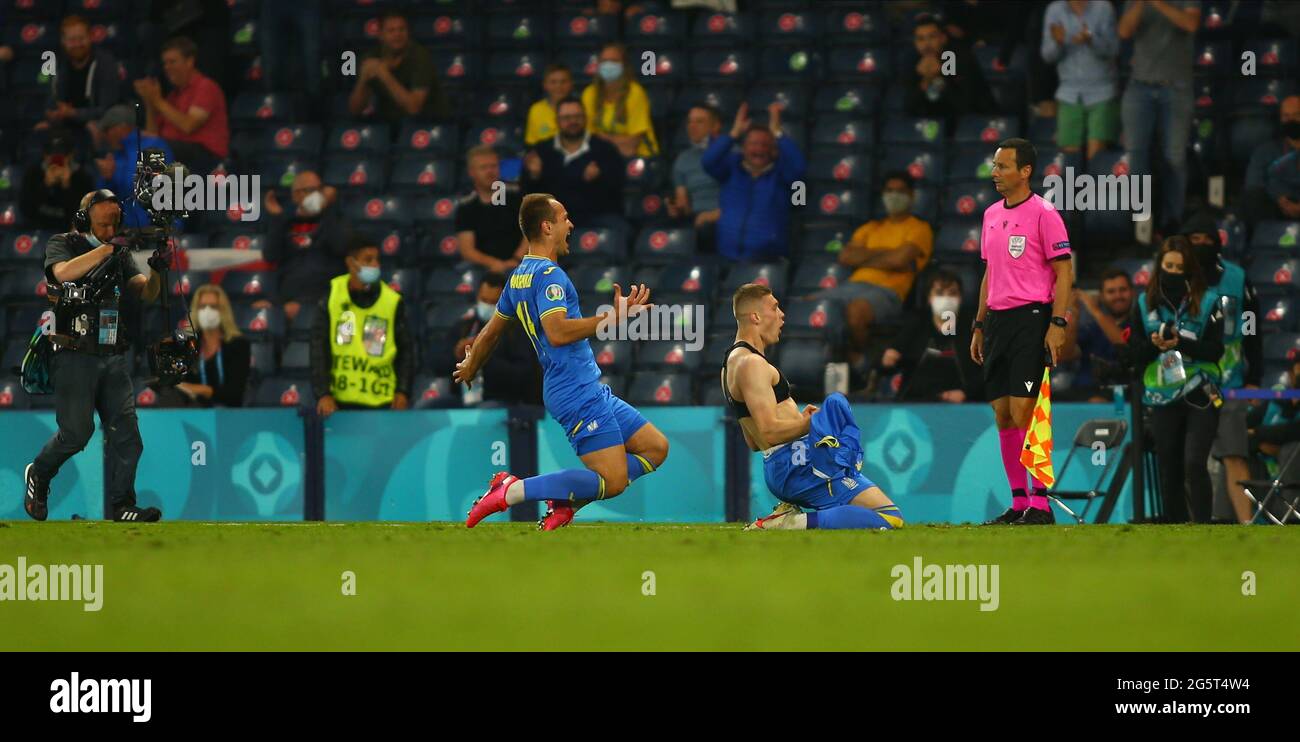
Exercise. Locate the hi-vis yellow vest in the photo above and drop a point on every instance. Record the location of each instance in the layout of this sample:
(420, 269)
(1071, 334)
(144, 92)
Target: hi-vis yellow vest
(363, 345)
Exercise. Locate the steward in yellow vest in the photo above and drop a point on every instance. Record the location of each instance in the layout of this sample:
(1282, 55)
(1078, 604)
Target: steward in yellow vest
(362, 352)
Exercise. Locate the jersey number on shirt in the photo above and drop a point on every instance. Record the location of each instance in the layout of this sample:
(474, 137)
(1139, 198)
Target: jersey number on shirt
(526, 320)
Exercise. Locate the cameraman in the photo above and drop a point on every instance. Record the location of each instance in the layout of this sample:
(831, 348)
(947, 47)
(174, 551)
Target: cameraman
(88, 369)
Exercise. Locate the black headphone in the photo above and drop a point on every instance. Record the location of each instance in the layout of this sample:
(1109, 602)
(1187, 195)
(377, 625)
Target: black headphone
(81, 219)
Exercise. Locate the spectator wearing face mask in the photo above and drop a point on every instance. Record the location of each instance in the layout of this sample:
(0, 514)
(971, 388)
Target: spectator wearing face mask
(1095, 341)
(220, 378)
(1176, 344)
(618, 108)
(306, 240)
(1273, 175)
(886, 255)
(362, 351)
(929, 357)
(511, 376)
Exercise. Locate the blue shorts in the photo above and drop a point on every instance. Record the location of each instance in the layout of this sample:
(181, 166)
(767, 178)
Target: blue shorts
(823, 468)
(601, 422)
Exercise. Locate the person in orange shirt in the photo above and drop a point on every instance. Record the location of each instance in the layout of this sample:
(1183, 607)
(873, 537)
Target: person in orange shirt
(886, 255)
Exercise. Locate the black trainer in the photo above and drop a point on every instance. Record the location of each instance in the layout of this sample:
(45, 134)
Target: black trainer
(38, 491)
(133, 514)
(1009, 516)
(1036, 517)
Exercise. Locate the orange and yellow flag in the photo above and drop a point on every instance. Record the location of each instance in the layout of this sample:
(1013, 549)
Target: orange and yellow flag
(1037, 454)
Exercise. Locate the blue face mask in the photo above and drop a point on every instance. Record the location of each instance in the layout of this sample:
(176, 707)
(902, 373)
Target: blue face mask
(368, 274)
(610, 71)
(484, 310)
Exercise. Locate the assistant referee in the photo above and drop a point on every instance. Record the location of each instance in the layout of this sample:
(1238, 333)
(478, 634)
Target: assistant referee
(1023, 298)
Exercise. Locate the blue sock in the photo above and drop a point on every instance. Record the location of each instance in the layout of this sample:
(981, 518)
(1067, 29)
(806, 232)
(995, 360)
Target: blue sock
(567, 485)
(847, 516)
(637, 466)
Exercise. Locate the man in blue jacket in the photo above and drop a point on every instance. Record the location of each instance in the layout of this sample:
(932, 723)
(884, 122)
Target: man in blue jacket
(116, 169)
(756, 186)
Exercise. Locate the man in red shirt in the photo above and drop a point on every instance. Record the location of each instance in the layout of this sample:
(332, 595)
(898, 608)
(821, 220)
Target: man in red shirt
(192, 117)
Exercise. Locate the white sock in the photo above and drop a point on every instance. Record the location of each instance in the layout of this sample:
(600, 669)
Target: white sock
(515, 492)
(795, 522)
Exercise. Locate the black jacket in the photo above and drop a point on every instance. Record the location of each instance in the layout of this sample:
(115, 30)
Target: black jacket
(305, 269)
(322, 344)
(583, 199)
(52, 207)
(511, 374)
(105, 80)
(933, 363)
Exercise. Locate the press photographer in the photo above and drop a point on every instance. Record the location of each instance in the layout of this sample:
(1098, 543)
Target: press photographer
(88, 272)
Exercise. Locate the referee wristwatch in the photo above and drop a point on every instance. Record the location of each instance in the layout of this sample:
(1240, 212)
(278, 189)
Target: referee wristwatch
(1060, 322)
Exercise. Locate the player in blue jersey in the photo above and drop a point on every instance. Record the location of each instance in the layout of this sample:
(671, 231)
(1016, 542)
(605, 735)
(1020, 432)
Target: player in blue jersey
(615, 443)
(812, 460)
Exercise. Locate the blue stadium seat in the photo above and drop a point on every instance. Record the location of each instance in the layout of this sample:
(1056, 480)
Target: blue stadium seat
(599, 280)
(968, 200)
(579, 29)
(613, 356)
(438, 246)
(508, 30)
(405, 281)
(355, 172)
(367, 139)
(24, 247)
(1276, 235)
(185, 282)
(826, 241)
(458, 67)
(28, 76)
(280, 391)
(279, 171)
(814, 318)
(1278, 311)
(858, 25)
(441, 316)
(451, 30)
(30, 38)
(923, 165)
(249, 284)
(817, 275)
(296, 358)
(843, 131)
(301, 140)
(1215, 58)
(732, 30)
(722, 65)
(864, 65)
(433, 139)
(434, 392)
(646, 208)
(12, 394)
(1139, 270)
(839, 166)
(252, 108)
(1271, 269)
(1261, 94)
(794, 63)
(260, 323)
(645, 173)
(430, 210)
(668, 356)
(656, 27)
(448, 283)
(725, 97)
(1248, 132)
(379, 208)
(1052, 161)
(974, 164)
(516, 68)
(507, 137)
(617, 384)
(791, 95)
(671, 65)
(24, 284)
(1275, 57)
(686, 281)
(834, 201)
(239, 239)
(789, 26)
(652, 389)
(958, 238)
(598, 244)
(665, 244)
(771, 275)
(849, 99)
(1208, 97)
(803, 361)
(915, 131)
(1281, 346)
(422, 173)
(983, 129)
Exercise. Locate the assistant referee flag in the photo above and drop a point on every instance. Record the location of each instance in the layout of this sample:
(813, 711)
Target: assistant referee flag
(1037, 454)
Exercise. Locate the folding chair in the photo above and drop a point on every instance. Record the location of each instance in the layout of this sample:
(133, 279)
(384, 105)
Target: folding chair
(1276, 489)
(1110, 434)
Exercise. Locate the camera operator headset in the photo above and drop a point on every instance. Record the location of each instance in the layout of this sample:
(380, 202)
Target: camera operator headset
(1176, 344)
(87, 272)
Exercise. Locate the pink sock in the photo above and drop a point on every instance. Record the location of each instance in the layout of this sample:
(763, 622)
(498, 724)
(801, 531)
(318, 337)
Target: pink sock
(1019, 502)
(1011, 441)
(1039, 501)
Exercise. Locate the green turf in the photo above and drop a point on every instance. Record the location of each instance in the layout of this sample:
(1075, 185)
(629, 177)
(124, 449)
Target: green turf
(505, 586)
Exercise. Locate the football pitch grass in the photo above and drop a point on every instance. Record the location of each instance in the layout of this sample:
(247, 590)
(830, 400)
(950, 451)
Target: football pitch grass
(223, 586)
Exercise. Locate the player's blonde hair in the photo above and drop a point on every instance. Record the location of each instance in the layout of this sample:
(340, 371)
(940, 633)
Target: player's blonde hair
(747, 295)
